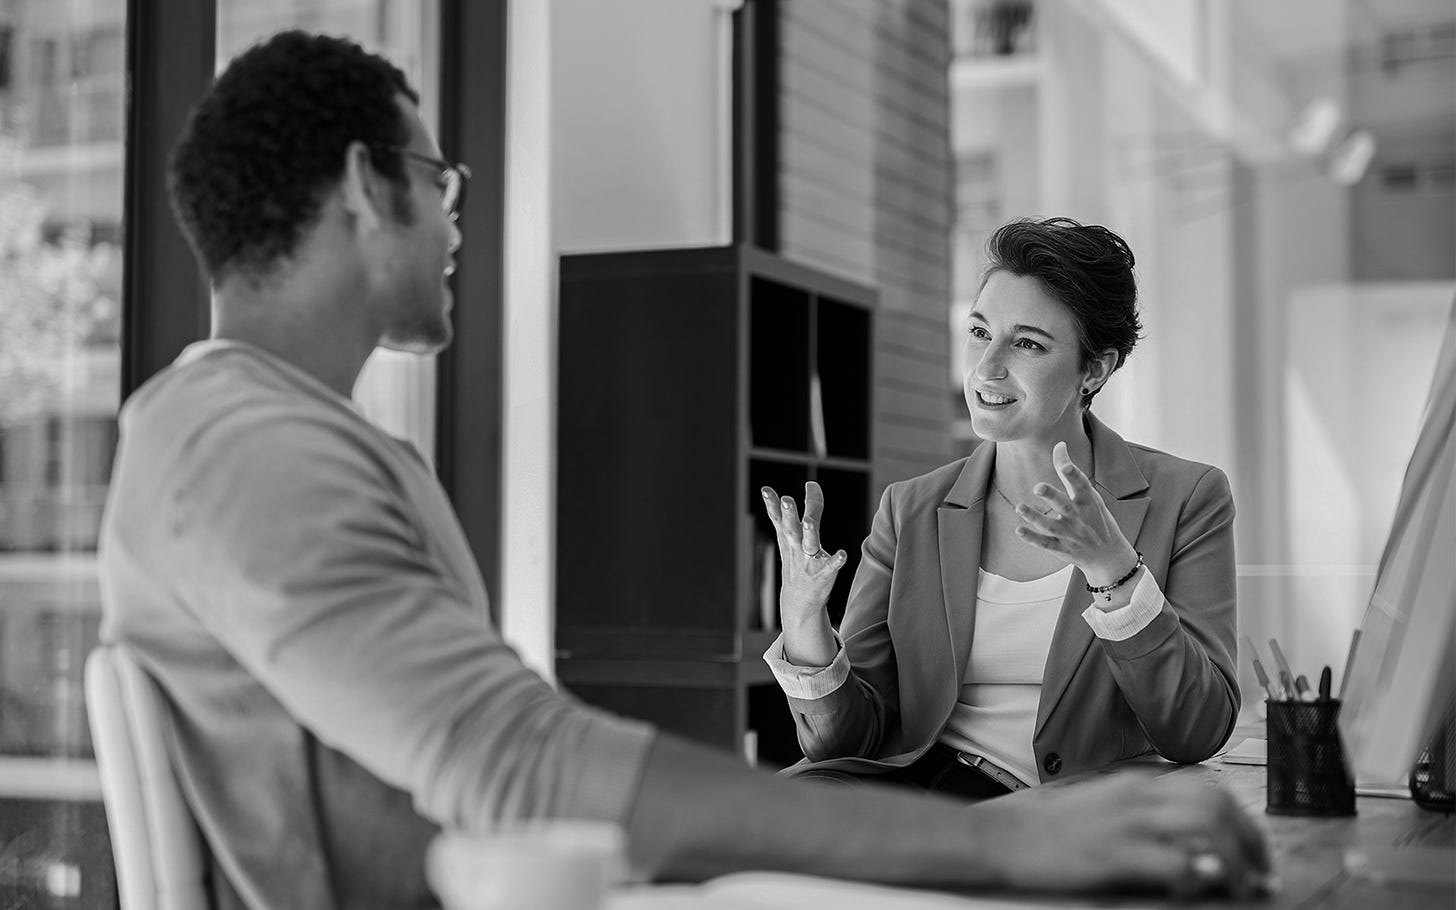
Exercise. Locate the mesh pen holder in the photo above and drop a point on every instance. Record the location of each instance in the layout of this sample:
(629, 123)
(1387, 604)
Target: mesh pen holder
(1306, 763)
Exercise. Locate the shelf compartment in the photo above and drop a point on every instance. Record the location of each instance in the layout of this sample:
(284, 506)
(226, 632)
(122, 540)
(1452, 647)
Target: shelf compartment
(772, 722)
(778, 352)
(846, 520)
(647, 426)
(844, 353)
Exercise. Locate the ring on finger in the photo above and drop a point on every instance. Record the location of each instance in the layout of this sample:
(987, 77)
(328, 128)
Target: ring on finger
(1206, 866)
(822, 554)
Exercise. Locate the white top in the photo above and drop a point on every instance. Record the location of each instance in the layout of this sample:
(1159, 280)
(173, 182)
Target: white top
(995, 715)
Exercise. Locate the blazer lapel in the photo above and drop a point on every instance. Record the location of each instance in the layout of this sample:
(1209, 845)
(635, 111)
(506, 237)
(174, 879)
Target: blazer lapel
(961, 519)
(1116, 475)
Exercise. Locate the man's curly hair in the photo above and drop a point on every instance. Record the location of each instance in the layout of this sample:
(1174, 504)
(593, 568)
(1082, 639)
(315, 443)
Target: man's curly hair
(1087, 267)
(251, 167)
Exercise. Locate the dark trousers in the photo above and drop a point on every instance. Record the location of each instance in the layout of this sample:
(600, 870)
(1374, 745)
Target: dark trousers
(937, 771)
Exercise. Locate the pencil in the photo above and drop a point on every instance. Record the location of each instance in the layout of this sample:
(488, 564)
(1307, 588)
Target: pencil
(1259, 673)
(1279, 660)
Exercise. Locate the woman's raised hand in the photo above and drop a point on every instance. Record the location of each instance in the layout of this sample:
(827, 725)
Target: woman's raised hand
(807, 571)
(1075, 524)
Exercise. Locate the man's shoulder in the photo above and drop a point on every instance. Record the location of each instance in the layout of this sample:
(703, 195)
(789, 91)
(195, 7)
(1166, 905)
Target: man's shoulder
(223, 420)
(217, 396)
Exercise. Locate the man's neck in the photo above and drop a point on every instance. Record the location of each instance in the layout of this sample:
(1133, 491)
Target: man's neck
(324, 334)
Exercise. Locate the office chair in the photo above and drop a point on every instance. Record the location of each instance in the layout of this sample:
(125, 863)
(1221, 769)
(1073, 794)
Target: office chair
(160, 858)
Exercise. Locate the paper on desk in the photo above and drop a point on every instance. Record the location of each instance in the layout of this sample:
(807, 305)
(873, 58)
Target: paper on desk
(784, 891)
(1249, 752)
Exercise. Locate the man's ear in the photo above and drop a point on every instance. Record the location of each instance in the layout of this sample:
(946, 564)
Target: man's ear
(1099, 370)
(361, 188)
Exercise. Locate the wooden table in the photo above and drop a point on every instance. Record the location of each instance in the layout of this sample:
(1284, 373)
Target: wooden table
(1310, 853)
(1309, 861)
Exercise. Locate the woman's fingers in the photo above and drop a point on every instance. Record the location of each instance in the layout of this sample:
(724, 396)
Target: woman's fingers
(789, 520)
(1076, 483)
(1053, 500)
(1049, 522)
(813, 502)
(1037, 538)
(810, 542)
(802, 535)
(775, 511)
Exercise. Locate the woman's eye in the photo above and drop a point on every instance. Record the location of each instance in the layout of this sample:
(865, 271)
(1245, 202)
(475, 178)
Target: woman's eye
(979, 333)
(1029, 344)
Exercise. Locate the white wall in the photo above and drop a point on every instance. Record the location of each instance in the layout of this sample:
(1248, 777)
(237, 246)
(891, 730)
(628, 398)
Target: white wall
(641, 123)
(528, 351)
(618, 136)
(1356, 378)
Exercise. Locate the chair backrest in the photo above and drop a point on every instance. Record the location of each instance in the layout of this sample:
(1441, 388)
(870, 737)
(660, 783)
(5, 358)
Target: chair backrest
(160, 857)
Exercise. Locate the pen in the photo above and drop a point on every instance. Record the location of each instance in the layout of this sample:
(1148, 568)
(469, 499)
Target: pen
(1301, 688)
(1324, 684)
(1259, 673)
(1263, 679)
(1281, 663)
(1287, 685)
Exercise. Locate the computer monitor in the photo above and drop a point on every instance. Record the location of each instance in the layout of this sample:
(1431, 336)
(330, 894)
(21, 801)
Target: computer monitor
(1400, 685)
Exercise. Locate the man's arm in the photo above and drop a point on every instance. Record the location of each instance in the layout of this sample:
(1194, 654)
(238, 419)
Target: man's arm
(296, 546)
(700, 813)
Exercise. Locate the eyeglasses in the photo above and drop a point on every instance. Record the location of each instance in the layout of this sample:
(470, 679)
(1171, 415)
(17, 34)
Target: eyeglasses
(452, 176)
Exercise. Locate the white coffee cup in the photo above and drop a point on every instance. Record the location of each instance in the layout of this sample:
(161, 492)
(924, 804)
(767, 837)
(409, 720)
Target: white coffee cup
(546, 865)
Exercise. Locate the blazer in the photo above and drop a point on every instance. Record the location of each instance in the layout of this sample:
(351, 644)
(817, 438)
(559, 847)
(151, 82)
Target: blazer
(907, 629)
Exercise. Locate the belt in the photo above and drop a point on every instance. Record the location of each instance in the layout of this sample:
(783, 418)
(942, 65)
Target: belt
(990, 769)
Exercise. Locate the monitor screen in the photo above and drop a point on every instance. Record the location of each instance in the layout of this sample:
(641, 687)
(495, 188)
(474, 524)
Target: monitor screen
(1400, 683)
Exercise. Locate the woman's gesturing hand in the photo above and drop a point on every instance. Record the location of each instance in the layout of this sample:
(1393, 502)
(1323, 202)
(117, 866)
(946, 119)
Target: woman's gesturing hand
(1075, 524)
(807, 571)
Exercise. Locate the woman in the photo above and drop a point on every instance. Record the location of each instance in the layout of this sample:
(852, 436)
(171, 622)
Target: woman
(1056, 601)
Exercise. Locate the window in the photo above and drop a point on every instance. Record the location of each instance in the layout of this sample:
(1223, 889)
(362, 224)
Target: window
(61, 131)
(1294, 265)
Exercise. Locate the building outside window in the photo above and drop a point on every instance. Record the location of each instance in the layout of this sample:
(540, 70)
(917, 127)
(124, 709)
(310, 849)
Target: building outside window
(62, 146)
(1283, 173)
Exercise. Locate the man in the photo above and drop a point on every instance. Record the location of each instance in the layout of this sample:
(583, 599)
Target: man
(296, 583)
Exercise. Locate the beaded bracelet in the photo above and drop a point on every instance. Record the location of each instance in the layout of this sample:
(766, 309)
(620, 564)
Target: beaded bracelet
(1108, 589)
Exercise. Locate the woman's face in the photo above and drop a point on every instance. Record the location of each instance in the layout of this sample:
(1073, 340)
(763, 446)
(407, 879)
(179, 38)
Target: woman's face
(1024, 373)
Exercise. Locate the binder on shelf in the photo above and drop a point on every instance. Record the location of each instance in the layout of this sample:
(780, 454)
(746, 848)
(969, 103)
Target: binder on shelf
(816, 417)
(768, 585)
(750, 746)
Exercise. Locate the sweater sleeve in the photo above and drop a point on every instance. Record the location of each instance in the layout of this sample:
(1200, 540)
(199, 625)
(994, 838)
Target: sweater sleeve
(301, 553)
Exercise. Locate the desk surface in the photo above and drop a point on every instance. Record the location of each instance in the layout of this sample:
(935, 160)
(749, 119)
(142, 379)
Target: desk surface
(1309, 853)
(1309, 859)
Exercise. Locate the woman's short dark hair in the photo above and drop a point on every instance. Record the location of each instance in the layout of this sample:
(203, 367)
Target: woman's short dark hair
(249, 171)
(1085, 266)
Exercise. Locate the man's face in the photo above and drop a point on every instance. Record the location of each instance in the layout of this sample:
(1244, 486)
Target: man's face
(416, 306)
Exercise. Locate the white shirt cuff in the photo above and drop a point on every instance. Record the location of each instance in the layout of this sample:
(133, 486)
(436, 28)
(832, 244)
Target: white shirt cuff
(806, 682)
(1125, 622)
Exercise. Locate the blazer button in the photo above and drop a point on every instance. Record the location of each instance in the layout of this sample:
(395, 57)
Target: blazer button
(1053, 763)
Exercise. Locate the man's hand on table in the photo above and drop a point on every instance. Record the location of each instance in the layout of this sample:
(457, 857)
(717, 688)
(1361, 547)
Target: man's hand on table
(1129, 831)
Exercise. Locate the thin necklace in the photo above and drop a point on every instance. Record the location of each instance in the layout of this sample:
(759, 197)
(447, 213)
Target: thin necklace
(997, 491)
